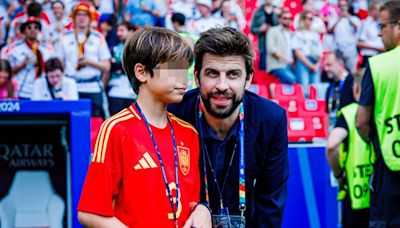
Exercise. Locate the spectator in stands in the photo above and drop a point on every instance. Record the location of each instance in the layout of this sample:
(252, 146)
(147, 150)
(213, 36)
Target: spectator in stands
(279, 49)
(8, 85)
(7, 8)
(86, 57)
(120, 92)
(178, 21)
(346, 153)
(31, 9)
(140, 12)
(224, 69)
(187, 8)
(8, 47)
(179, 26)
(339, 93)
(107, 26)
(57, 26)
(231, 14)
(345, 29)
(54, 86)
(308, 52)
(369, 42)
(378, 119)
(264, 18)
(328, 11)
(160, 12)
(230, 18)
(206, 21)
(27, 57)
(317, 24)
(108, 8)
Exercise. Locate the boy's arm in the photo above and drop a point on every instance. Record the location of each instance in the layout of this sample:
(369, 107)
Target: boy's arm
(98, 221)
(336, 137)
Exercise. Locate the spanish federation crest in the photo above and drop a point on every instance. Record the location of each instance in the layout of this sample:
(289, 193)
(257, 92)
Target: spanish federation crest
(184, 159)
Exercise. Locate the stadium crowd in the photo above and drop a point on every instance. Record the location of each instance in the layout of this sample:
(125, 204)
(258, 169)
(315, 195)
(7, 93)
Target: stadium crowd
(88, 38)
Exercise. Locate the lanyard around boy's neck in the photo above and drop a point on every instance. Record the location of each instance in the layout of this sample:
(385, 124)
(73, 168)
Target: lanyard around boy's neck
(171, 198)
(242, 175)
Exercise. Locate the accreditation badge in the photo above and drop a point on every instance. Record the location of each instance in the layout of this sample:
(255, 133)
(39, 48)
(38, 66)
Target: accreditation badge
(224, 220)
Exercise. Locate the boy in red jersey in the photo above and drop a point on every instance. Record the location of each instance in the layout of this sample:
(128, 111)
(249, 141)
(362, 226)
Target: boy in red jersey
(144, 171)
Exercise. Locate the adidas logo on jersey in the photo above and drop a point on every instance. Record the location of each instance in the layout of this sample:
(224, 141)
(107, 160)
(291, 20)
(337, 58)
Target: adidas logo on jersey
(145, 162)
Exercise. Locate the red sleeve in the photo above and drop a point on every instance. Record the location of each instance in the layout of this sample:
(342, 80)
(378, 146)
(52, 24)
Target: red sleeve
(195, 192)
(104, 175)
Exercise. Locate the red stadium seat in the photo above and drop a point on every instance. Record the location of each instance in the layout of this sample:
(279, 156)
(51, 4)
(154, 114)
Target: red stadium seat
(312, 107)
(291, 107)
(315, 109)
(287, 92)
(312, 92)
(263, 78)
(260, 90)
(300, 130)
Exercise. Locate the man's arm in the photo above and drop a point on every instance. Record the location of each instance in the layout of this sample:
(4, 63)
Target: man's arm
(364, 116)
(98, 221)
(331, 29)
(362, 44)
(271, 186)
(104, 65)
(336, 137)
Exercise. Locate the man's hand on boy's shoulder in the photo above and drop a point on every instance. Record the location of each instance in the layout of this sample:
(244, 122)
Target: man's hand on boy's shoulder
(199, 218)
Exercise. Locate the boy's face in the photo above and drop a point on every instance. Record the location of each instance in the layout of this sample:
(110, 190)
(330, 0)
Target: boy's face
(222, 82)
(169, 81)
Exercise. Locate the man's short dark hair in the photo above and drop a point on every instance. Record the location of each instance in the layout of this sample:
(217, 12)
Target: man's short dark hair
(339, 56)
(53, 64)
(393, 8)
(152, 46)
(179, 18)
(129, 25)
(34, 9)
(224, 42)
(59, 2)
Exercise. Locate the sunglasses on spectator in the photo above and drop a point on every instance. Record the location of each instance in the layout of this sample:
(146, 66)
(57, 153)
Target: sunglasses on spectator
(30, 27)
(286, 18)
(309, 18)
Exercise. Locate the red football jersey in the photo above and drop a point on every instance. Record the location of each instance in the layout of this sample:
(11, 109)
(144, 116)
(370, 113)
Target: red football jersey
(125, 179)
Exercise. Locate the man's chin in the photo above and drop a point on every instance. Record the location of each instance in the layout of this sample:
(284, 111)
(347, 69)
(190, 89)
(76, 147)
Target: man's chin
(221, 112)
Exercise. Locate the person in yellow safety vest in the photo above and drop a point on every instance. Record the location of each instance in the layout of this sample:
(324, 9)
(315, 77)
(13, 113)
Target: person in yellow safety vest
(378, 119)
(351, 161)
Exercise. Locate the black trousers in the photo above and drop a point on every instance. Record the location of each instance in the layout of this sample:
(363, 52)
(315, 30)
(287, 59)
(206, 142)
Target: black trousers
(385, 196)
(354, 218)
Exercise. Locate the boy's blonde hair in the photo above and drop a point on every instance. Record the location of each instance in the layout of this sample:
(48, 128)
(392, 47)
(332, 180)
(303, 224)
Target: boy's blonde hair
(152, 46)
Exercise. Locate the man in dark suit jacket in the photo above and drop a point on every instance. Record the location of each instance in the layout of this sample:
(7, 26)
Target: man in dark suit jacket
(232, 124)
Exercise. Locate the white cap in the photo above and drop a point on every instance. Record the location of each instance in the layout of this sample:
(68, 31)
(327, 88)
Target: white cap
(207, 3)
